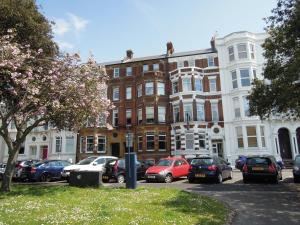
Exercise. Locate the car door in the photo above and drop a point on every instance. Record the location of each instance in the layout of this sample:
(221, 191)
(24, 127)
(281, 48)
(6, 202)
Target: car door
(176, 168)
(227, 168)
(99, 164)
(221, 166)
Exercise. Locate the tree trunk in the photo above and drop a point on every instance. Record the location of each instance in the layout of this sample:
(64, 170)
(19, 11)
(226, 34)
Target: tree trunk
(9, 170)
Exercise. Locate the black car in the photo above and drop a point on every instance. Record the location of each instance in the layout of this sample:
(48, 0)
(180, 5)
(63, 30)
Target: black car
(115, 170)
(23, 169)
(209, 168)
(264, 167)
(296, 169)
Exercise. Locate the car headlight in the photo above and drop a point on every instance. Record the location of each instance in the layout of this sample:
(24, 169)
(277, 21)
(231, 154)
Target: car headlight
(296, 168)
(163, 172)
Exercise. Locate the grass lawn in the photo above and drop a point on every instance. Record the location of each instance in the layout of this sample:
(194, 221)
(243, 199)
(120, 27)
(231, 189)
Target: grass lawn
(70, 205)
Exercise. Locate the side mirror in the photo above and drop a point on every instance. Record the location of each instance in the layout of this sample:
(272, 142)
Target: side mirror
(94, 163)
(228, 163)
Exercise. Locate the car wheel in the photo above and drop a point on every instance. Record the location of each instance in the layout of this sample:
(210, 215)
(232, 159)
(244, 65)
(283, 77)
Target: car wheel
(275, 179)
(45, 177)
(121, 179)
(245, 180)
(168, 178)
(219, 178)
(191, 180)
(296, 180)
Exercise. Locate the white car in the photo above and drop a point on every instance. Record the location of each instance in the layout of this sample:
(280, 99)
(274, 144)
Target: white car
(92, 163)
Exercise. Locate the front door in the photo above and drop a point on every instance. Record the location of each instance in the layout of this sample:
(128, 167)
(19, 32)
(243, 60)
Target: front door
(284, 143)
(115, 149)
(217, 148)
(44, 150)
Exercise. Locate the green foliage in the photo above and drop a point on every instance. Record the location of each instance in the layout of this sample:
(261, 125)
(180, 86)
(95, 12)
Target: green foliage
(282, 69)
(31, 26)
(69, 205)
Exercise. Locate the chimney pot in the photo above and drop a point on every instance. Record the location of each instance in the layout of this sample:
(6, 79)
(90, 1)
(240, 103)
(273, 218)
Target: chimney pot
(129, 54)
(170, 48)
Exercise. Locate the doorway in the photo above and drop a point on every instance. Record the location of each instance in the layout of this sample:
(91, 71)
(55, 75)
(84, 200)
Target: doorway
(298, 138)
(217, 147)
(115, 149)
(284, 143)
(44, 152)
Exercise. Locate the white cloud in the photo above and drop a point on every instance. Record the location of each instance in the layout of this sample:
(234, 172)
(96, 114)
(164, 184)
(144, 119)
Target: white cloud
(65, 45)
(77, 22)
(61, 26)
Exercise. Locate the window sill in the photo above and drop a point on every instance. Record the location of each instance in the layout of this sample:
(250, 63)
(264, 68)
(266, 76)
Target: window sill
(150, 150)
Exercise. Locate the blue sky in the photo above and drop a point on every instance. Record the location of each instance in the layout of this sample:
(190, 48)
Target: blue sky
(108, 28)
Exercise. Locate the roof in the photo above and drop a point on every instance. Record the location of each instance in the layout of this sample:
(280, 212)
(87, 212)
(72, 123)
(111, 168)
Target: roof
(163, 56)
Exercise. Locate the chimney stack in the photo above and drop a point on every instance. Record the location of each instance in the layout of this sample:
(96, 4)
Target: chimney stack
(170, 48)
(129, 54)
(212, 43)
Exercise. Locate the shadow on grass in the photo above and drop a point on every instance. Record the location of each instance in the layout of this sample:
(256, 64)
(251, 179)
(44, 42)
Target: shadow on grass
(207, 210)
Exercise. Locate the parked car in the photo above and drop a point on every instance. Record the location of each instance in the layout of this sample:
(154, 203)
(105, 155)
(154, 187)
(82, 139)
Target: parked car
(48, 170)
(23, 169)
(147, 162)
(296, 169)
(167, 169)
(92, 163)
(240, 161)
(209, 168)
(264, 167)
(2, 170)
(115, 170)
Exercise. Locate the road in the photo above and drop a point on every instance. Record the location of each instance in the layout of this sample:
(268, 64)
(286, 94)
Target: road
(254, 203)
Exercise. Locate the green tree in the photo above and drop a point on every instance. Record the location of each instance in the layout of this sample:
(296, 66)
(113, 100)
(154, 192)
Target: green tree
(280, 91)
(31, 27)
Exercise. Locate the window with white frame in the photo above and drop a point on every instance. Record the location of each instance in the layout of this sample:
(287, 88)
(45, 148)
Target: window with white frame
(129, 71)
(191, 63)
(145, 68)
(160, 88)
(58, 143)
(162, 146)
(176, 114)
(234, 79)
(239, 136)
(116, 93)
(214, 112)
(149, 88)
(200, 112)
(252, 51)
(115, 117)
(180, 64)
(82, 144)
(178, 142)
(140, 116)
(201, 141)
(231, 53)
(236, 107)
(150, 141)
(186, 84)
(251, 136)
(128, 116)
(161, 114)
(90, 143)
(128, 92)
(175, 87)
(150, 114)
(101, 144)
(189, 141)
(246, 106)
(198, 84)
(188, 111)
(210, 61)
(262, 136)
(70, 143)
(245, 77)
(33, 151)
(139, 90)
(155, 67)
(116, 72)
(242, 51)
(212, 85)
(140, 143)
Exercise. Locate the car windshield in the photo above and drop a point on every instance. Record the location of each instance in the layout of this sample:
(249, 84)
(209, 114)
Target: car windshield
(297, 160)
(164, 162)
(258, 161)
(86, 161)
(202, 161)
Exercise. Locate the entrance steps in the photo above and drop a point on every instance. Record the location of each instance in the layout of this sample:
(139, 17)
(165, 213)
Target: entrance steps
(288, 163)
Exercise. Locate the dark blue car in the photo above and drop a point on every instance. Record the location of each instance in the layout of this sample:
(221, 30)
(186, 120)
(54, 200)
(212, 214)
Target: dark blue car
(48, 170)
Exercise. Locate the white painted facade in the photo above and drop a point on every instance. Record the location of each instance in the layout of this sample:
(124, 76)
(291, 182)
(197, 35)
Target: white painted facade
(44, 143)
(238, 53)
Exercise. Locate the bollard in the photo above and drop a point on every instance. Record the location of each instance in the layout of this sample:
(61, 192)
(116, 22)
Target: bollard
(130, 167)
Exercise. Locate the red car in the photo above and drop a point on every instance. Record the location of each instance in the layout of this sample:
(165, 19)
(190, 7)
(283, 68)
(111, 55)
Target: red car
(167, 169)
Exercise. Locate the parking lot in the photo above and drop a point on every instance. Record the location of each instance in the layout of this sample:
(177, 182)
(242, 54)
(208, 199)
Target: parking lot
(256, 203)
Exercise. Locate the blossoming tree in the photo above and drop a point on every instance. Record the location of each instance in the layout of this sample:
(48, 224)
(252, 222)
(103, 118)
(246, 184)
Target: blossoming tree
(35, 90)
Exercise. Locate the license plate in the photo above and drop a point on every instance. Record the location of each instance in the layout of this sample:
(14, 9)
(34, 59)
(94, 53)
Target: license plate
(199, 175)
(105, 177)
(152, 177)
(257, 168)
